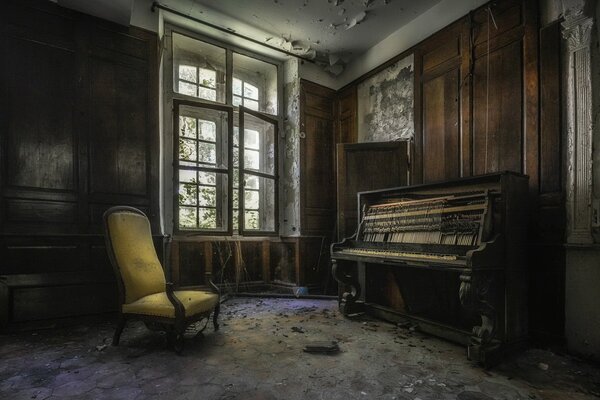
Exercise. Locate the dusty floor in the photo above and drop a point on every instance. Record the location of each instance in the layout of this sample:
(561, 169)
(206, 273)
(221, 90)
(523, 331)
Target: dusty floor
(258, 354)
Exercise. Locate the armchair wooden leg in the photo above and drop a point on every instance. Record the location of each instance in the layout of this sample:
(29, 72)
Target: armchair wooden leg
(216, 316)
(120, 325)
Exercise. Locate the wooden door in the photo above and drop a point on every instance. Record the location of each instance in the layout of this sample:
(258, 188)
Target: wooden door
(362, 167)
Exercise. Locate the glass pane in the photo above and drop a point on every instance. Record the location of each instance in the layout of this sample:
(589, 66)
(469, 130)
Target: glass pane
(237, 87)
(236, 197)
(188, 73)
(250, 91)
(252, 159)
(261, 136)
(251, 139)
(251, 182)
(208, 77)
(251, 104)
(260, 82)
(265, 197)
(237, 101)
(212, 126)
(187, 149)
(188, 194)
(207, 196)
(252, 220)
(251, 200)
(207, 218)
(208, 94)
(207, 178)
(207, 131)
(207, 153)
(189, 54)
(187, 217)
(187, 127)
(187, 176)
(189, 89)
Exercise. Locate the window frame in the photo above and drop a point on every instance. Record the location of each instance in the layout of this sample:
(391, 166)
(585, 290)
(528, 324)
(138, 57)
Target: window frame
(177, 103)
(243, 171)
(171, 98)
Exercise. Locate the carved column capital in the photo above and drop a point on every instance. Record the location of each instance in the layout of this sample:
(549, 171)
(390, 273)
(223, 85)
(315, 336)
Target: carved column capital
(576, 30)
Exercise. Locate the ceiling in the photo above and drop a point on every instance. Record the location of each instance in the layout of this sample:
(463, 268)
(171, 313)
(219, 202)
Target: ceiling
(341, 27)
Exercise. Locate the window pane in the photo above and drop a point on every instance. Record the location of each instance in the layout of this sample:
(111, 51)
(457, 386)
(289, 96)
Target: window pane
(186, 175)
(187, 127)
(262, 136)
(207, 153)
(207, 218)
(188, 73)
(260, 82)
(251, 139)
(251, 104)
(252, 220)
(237, 101)
(207, 178)
(208, 77)
(187, 217)
(250, 91)
(188, 194)
(251, 182)
(207, 196)
(208, 94)
(236, 197)
(265, 196)
(189, 89)
(187, 149)
(251, 159)
(251, 200)
(237, 87)
(189, 54)
(207, 131)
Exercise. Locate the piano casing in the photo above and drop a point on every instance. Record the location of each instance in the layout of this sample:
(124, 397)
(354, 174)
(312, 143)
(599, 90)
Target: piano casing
(449, 256)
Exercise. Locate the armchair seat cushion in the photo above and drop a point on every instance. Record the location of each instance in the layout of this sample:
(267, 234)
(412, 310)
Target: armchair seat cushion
(158, 304)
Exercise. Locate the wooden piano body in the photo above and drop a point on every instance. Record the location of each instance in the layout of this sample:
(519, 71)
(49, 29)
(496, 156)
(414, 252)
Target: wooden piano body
(448, 256)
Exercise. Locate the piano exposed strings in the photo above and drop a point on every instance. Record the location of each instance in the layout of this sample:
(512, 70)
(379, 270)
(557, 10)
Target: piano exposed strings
(451, 220)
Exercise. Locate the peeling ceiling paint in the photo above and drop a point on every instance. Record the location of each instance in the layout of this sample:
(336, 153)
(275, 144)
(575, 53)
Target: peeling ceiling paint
(318, 28)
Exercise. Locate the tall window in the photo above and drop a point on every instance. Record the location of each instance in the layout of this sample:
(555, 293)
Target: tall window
(225, 146)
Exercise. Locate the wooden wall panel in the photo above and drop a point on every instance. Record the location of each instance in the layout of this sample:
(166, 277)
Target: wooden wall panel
(441, 122)
(442, 108)
(78, 134)
(317, 168)
(346, 116)
(498, 137)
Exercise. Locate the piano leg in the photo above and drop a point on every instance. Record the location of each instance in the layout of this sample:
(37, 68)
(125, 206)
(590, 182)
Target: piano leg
(351, 289)
(473, 293)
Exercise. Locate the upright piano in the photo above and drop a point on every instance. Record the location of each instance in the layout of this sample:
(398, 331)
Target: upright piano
(449, 257)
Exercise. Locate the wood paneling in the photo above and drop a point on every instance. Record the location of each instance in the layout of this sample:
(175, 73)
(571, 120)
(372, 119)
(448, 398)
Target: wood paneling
(442, 110)
(78, 134)
(317, 168)
(346, 107)
(362, 167)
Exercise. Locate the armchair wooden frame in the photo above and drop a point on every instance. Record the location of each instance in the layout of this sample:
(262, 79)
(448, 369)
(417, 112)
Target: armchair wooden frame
(174, 327)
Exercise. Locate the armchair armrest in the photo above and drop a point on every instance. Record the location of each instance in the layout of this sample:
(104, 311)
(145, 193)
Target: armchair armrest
(179, 309)
(214, 288)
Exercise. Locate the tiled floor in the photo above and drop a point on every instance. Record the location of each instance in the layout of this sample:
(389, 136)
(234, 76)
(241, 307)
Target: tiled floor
(258, 354)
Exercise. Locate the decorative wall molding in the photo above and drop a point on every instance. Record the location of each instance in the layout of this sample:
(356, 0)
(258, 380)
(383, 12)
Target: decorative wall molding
(576, 32)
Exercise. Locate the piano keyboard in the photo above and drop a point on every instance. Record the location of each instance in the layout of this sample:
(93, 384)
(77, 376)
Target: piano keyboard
(389, 253)
(451, 220)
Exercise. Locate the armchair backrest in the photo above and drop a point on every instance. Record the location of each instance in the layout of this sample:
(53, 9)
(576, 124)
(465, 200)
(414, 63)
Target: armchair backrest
(131, 251)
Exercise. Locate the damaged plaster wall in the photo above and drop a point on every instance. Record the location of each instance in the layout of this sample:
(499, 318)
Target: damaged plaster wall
(290, 178)
(385, 104)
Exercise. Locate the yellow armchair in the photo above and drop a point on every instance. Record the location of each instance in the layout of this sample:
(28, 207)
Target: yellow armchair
(143, 291)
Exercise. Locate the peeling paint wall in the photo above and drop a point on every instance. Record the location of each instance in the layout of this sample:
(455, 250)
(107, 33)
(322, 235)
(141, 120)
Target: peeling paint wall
(290, 178)
(385, 104)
